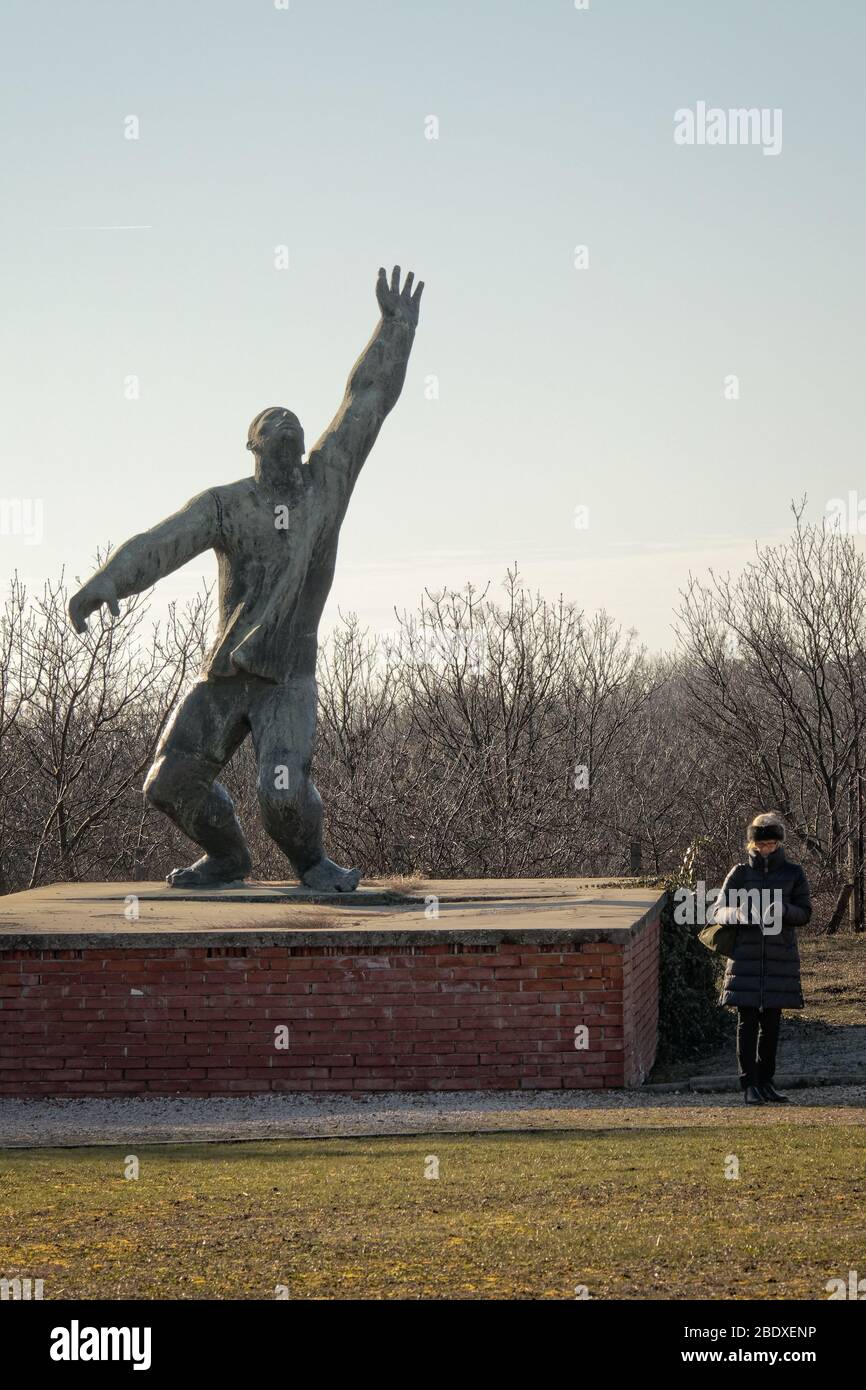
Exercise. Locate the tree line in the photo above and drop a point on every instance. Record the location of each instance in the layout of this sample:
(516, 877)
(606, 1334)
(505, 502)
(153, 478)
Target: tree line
(487, 734)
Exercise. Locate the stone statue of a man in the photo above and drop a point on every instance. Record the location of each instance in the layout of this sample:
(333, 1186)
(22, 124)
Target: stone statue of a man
(275, 535)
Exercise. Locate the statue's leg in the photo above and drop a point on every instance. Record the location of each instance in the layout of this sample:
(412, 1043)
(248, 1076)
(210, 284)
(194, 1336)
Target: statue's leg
(283, 720)
(205, 730)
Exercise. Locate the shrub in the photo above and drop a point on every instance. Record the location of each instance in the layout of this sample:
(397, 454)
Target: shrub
(691, 1021)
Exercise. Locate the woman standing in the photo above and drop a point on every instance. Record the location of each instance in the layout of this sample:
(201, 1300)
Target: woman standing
(768, 898)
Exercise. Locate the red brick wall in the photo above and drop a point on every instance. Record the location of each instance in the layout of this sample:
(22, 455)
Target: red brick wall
(641, 1003)
(449, 1017)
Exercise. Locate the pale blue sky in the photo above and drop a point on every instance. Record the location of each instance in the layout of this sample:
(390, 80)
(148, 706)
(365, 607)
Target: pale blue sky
(558, 387)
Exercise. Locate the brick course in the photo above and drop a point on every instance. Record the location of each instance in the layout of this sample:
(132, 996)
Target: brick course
(166, 1019)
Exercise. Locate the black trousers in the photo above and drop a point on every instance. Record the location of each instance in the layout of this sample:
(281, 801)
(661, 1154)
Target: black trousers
(757, 1040)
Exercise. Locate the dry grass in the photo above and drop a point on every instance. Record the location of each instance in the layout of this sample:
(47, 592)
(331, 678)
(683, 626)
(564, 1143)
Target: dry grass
(630, 1215)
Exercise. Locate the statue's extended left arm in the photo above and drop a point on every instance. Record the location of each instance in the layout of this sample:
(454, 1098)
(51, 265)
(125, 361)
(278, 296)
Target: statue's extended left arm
(373, 388)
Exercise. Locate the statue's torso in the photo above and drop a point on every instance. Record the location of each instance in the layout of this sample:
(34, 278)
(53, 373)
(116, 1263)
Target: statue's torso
(257, 536)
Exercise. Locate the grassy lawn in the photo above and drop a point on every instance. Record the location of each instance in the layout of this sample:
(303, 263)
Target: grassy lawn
(628, 1214)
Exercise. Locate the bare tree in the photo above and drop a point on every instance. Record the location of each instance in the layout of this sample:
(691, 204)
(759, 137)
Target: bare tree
(84, 719)
(509, 738)
(775, 665)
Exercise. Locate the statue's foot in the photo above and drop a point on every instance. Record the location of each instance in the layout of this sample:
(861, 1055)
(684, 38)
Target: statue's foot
(328, 877)
(209, 870)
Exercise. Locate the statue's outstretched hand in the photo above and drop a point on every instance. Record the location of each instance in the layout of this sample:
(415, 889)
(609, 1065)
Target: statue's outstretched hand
(93, 595)
(396, 303)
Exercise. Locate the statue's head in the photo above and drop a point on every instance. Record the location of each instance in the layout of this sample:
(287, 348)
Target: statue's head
(276, 439)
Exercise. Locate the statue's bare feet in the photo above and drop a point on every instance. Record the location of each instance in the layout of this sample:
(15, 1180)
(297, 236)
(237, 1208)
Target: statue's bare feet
(328, 877)
(209, 870)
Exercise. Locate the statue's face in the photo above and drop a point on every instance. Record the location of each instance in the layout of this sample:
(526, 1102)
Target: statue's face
(276, 431)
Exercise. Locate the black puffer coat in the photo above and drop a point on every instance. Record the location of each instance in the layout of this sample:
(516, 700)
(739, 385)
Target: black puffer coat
(765, 970)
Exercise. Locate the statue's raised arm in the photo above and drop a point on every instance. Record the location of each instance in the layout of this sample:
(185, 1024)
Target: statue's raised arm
(373, 387)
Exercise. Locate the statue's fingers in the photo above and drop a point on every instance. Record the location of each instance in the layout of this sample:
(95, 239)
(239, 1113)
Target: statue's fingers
(395, 279)
(114, 607)
(408, 285)
(382, 281)
(417, 295)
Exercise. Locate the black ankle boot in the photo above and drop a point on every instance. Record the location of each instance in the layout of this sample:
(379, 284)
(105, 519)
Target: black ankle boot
(752, 1096)
(769, 1092)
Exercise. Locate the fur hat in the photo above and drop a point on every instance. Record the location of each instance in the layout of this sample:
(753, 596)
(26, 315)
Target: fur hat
(768, 826)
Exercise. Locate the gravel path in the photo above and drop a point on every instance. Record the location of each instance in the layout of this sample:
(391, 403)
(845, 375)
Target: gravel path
(157, 1119)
